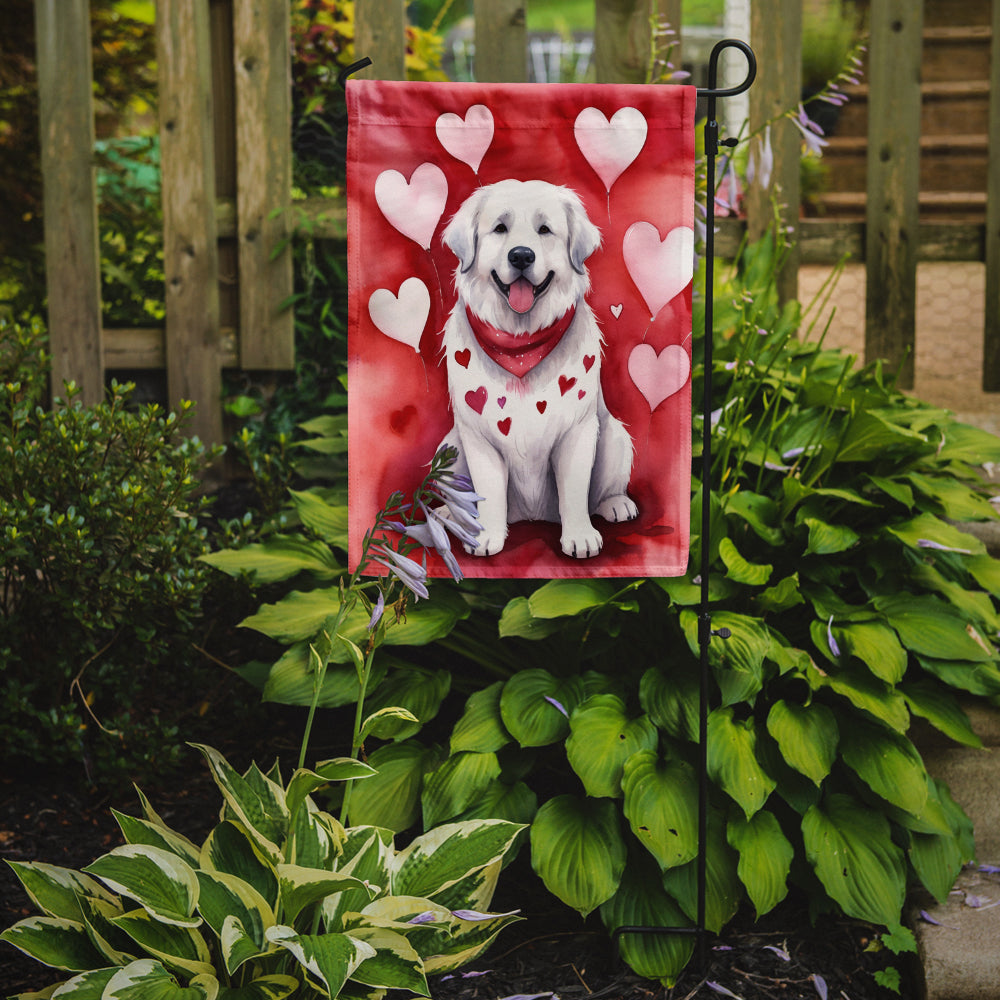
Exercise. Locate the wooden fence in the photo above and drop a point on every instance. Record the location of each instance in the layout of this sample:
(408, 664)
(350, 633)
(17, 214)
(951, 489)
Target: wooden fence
(226, 161)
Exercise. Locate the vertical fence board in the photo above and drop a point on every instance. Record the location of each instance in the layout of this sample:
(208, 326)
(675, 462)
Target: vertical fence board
(776, 35)
(501, 41)
(262, 61)
(72, 257)
(190, 254)
(380, 34)
(669, 13)
(621, 40)
(991, 332)
(892, 215)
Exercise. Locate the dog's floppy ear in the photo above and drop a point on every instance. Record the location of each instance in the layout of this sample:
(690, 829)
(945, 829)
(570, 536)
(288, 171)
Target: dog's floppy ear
(584, 237)
(461, 235)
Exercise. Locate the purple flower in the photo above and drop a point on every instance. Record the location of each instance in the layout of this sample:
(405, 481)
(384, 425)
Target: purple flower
(761, 164)
(780, 952)
(377, 611)
(475, 915)
(820, 983)
(927, 543)
(558, 705)
(411, 574)
(834, 648)
(719, 988)
(427, 917)
(811, 132)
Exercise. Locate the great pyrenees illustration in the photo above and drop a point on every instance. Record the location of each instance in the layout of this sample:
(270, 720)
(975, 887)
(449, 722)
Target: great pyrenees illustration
(523, 357)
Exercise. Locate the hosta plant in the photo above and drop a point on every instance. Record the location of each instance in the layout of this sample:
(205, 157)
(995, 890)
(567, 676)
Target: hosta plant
(279, 900)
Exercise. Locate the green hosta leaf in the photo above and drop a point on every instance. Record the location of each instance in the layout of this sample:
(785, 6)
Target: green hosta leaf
(958, 502)
(850, 848)
(230, 849)
(976, 678)
(481, 728)
(54, 941)
(876, 646)
(965, 443)
(301, 887)
(395, 964)
(783, 595)
(180, 948)
(559, 598)
(751, 574)
(147, 979)
(807, 736)
(330, 959)
(827, 539)
(683, 592)
(56, 891)
(275, 987)
(141, 831)
(602, 738)
(641, 901)
(456, 784)
(738, 661)
(671, 699)
(937, 860)
(438, 859)
(530, 706)
(226, 898)
(758, 511)
(931, 628)
(732, 760)
(578, 851)
(975, 605)
(279, 558)
(159, 881)
(928, 528)
(292, 680)
(765, 858)
(723, 889)
(415, 689)
(866, 692)
(941, 709)
(986, 571)
(661, 798)
(517, 620)
(391, 798)
(888, 763)
(870, 436)
(327, 520)
(516, 803)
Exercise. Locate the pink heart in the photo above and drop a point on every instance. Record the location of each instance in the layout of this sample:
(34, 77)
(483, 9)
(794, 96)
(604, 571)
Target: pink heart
(660, 270)
(501, 401)
(467, 139)
(401, 317)
(610, 146)
(413, 207)
(658, 376)
(476, 398)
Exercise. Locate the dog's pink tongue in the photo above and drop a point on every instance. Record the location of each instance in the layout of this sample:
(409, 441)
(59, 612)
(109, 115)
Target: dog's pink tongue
(522, 295)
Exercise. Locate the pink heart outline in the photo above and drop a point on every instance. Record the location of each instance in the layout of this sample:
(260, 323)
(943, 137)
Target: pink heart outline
(610, 146)
(660, 269)
(403, 316)
(659, 376)
(413, 207)
(468, 138)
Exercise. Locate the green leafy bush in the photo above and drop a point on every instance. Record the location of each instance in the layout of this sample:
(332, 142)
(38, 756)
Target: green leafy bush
(101, 584)
(280, 899)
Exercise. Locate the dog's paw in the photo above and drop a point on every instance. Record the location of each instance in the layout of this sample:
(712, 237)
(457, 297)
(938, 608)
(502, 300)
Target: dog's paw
(619, 508)
(488, 543)
(582, 545)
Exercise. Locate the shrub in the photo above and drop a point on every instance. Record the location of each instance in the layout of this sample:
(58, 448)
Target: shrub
(99, 540)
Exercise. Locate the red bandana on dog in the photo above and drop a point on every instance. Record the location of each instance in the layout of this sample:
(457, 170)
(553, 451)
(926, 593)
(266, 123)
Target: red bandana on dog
(518, 353)
(469, 206)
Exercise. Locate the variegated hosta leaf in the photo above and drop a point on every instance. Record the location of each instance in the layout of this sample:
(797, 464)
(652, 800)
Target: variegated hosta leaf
(367, 853)
(578, 851)
(147, 979)
(732, 760)
(476, 890)
(177, 947)
(441, 857)
(87, 986)
(56, 891)
(602, 737)
(158, 880)
(116, 947)
(225, 897)
(456, 784)
(535, 706)
(661, 800)
(328, 959)
(301, 887)
(391, 799)
(274, 987)
(807, 736)
(304, 782)
(850, 847)
(888, 763)
(395, 964)
(642, 902)
(141, 831)
(230, 849)
(467, 940)
(765, 858)
(481, 727)
(54, 941)
(315, 838)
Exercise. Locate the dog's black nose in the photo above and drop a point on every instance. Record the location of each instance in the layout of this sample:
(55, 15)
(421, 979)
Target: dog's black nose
(521, 257)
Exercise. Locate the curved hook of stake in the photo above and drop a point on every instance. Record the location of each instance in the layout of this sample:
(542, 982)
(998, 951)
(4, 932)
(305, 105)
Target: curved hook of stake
(713, 69)
(353, 68)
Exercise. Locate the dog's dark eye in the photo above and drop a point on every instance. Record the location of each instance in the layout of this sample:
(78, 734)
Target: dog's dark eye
(499, 228)
(544, 230)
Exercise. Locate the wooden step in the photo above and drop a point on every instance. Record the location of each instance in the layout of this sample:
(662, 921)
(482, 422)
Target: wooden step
(956, 53)
(958, 206)
(944, 12)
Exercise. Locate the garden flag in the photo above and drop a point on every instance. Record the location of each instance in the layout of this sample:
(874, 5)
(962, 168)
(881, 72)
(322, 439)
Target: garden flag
(520, 260)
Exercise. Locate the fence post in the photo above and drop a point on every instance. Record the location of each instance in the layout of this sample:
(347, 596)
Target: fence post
(190, 251)
(380, 34)
(501, 41)
(262, 61)
(776, 34)
(991, 333)
(621, 40)
(72, 255)
(892, 214)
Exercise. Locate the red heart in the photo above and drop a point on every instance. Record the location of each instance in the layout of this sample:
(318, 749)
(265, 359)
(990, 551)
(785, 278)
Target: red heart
(540, 405)
(399, 419)
(504, 426)
(581, 394)
(463, 357)
(565, 384)
(476, 398)
(588, 362)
